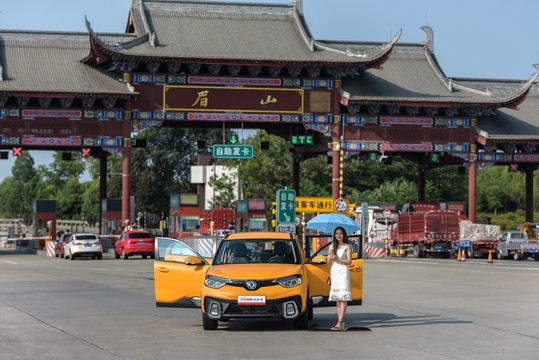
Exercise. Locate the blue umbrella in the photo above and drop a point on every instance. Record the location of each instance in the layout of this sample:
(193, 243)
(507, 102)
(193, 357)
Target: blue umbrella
(327, 223)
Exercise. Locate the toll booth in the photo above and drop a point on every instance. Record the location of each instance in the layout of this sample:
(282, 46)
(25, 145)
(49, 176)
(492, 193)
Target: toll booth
(184, 215)
(111, 217)
(251, 215)
(44, 219)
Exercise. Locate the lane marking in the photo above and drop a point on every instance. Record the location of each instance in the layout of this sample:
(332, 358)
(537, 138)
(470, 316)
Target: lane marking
(10, 262)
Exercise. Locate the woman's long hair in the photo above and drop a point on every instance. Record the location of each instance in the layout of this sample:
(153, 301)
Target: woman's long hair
(344, 239)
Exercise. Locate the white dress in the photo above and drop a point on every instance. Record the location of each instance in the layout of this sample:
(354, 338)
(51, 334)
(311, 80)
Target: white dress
(340, 278)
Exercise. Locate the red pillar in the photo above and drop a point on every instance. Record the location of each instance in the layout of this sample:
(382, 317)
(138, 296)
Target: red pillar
(335, 185)
(529, 194)
(102, 188)
(472, 186)
(420, 183)
(126, 168)
(295, 172)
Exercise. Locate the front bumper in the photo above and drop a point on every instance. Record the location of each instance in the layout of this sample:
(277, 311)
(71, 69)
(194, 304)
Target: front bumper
(223, 309)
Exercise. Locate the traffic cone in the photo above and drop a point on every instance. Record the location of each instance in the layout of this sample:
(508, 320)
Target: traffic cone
(489, 256)
(463, 256)
(459, 256)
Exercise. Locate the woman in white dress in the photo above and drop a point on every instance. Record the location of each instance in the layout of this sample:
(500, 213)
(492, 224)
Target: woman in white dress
(340, 254)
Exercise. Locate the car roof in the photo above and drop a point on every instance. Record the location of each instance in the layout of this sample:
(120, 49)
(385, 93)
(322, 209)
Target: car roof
(258, 235)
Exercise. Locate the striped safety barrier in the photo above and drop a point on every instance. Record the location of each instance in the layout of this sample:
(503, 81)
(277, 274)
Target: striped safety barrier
(375, 250)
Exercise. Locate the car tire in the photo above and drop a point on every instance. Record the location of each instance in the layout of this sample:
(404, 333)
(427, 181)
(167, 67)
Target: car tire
(310, 311)
(72, 257)
(208, 323)
(418, 253)
(517, 256)
(144, 256)
(116, 255)
(499, 255)
(124, 255)
(100, 257)
(302, 321)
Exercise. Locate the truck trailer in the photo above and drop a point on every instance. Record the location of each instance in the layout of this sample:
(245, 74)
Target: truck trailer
(427, 232)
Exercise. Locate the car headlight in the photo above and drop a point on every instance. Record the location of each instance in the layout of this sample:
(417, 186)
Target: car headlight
(215, 282)
(289, 281)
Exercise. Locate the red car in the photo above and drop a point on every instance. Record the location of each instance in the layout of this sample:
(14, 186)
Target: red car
(60, 244)
(135, 243)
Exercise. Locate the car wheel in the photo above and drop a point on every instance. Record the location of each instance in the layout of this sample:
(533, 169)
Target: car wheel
(61, 255)
(116, 255)
(100, 257)
(124, 255)
(517, 256)
(72, 256)
(310, 312)
(499, 255)
(56, 254)
(208, 323)
(417, 251)
(536, 257)
(302, 321)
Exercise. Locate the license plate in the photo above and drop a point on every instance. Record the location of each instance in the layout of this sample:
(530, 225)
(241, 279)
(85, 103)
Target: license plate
(251, 300)
(438, 248)
(141, 243)
(88, 245)
(533, 251)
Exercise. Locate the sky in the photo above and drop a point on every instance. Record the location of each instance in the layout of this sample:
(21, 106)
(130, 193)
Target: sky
(496, 39)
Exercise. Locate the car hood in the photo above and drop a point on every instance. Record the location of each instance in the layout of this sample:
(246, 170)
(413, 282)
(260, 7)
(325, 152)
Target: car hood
(254, 271)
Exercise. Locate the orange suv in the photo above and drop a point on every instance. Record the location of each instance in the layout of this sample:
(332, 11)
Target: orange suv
(252, 275)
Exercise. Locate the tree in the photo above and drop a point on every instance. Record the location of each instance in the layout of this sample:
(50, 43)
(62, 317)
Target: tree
(224, 191)
(268, 170)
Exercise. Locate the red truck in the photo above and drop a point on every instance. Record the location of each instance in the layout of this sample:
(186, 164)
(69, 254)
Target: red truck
(425, 232)
(217, 221)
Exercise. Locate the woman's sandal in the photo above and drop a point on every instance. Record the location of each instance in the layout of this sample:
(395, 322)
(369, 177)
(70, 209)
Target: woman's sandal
(338, 328)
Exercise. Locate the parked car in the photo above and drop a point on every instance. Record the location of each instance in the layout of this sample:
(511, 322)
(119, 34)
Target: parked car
(136, 242)
(83, 245)
(258, 275)
(60, 245)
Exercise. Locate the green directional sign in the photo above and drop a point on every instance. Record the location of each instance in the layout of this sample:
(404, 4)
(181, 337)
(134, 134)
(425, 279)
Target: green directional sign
(233, 151)
(286, 206)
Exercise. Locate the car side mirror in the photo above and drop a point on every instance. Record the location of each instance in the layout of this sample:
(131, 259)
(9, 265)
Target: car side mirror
(193, 260)
(319, 259)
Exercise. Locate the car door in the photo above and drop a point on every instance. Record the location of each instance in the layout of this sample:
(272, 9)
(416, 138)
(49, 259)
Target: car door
(177, 283)
(318, 270)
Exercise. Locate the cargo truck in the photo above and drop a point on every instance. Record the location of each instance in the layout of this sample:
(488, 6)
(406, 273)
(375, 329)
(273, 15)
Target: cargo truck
(515, 244)
(427, 232)
(484, 238)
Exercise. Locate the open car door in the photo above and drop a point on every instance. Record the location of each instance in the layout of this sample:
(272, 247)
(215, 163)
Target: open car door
(318, 269)
(179, 273)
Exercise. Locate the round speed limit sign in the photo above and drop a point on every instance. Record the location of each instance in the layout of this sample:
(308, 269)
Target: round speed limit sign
(386, 213)
(341, 205)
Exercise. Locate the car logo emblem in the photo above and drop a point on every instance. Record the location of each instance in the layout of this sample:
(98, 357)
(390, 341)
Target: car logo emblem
(251, 285)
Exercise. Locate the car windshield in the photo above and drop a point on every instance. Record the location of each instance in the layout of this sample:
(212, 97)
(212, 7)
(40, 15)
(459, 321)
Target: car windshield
(86, 237)
(140, 235)
(257, 251)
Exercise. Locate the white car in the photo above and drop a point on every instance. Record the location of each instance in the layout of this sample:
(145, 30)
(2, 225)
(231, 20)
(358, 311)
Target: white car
(83, 245)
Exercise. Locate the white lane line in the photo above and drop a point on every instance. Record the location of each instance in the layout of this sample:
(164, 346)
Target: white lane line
(10, 262)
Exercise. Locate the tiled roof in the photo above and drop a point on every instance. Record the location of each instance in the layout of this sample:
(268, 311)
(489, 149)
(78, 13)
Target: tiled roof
(412, 74)
(51, 62)
(243, 32)
(510, 124)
